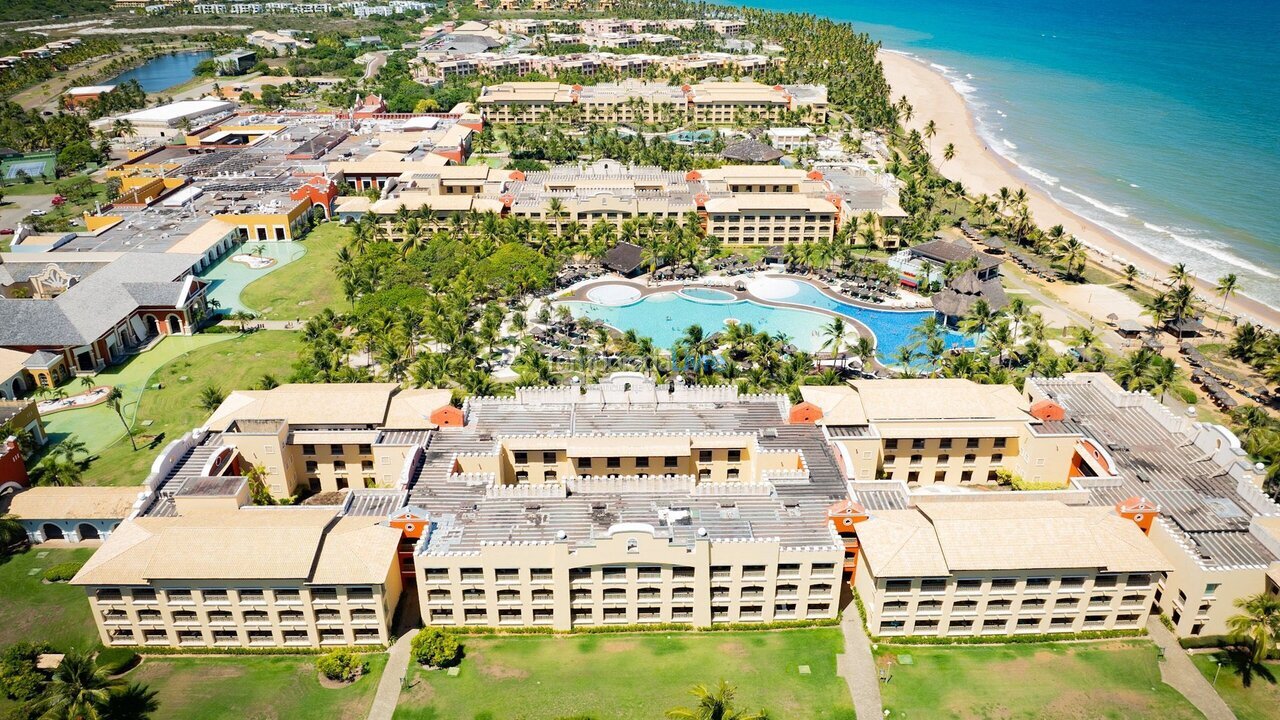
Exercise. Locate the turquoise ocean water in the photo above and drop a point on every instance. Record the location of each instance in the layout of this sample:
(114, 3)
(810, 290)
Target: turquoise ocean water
(1157, 119)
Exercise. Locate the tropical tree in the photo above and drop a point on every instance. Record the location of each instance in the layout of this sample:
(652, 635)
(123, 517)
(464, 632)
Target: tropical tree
(115, 401)
(1257, 625)
(132, 702)
(713, 704)
(1226, 286)
(78, 689)
(211, 396)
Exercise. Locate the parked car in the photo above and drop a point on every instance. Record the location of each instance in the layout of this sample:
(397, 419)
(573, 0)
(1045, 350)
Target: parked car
(6, 231)
(38, 212)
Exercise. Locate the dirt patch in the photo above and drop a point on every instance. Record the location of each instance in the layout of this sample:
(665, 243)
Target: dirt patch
(503, 672)
(328, 684)
(733, 650)
(1083, 704)
(613, 647)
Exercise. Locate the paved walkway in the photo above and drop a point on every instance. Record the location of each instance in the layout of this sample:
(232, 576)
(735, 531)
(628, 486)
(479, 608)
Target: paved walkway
(858, 668)
(384, 703)
(265, 324)
(1181, 674)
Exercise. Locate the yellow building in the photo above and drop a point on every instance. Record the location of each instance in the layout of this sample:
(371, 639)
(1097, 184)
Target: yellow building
(946, 568)
(218, 575)
(939, 431)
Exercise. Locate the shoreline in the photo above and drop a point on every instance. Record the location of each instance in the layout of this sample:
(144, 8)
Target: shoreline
(983, 170)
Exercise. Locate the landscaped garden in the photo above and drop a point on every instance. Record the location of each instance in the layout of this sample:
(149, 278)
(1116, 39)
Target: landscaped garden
(225, 362)
(1259, 700)
(791, 674)
(1114, 679)
(33, 610)
(305, 286)
(253, 688)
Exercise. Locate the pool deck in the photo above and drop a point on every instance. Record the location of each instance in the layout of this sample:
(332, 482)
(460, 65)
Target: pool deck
(579, 292)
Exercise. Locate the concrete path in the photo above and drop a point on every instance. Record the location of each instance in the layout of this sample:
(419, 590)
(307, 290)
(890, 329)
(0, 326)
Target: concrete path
(858, 668)
(1181, 674)
(265, 324)
(384, 703)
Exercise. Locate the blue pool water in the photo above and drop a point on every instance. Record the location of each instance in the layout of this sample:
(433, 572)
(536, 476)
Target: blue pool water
(163, 72)
(663, 317)
(691, 137)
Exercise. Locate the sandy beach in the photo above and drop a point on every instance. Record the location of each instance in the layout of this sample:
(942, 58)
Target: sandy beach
(984, 171)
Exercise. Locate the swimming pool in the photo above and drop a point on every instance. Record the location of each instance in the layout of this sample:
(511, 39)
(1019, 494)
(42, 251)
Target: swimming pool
(663, 317)
(691, 137)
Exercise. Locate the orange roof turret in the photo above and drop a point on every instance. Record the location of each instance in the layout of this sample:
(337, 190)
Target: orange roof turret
(516, 175)
(692, 176)
(805, 413)
(815, 175)
(1140, 510)
(1047, 411)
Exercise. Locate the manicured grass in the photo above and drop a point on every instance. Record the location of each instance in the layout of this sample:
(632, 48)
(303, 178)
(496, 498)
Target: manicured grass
(253, 688)
(235, 363)
(1119, 680)
(305, 286)
(56, 613)
(1260, 700)
(633, 676)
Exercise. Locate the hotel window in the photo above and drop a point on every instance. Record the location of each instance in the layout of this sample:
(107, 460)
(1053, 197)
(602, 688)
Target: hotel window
(823, 570)
(970, 459)
(944, 443)
(366, 449)
(682, 573)
(917, 444)
(940, 476)
(584, 463)
(312, 466)
(1071, 583)
(889, 459)
(336, 449)
(549, 476)
(508, 596)
(671, 461)
(1004, 585)
(997, 458)
(1038, 584)
(520, 458)
(818, 608)
(614, 574)
(522, 476)
(642, 462)
(917, 459)
(735, 456)
(339, 466)
(108, 595)
(704, 456)
(144, 596)
(613, 462)
(548, 457)
(972, 443)
(933, 585)
(994, 625)
(956, 626)
(176, 597)
(964, 606)
(943, 459)
(507, 575)
(966, 476)
(1144, 581)
(897, 587)
(308, 449)
(1001, 442)
(732, 474)
(366, 465)
(1104, 582)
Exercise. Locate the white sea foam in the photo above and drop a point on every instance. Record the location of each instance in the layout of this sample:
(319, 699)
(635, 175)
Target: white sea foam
(1112, 209)
(1038, 174)
(1134, 185)
(1008, 144)
(963, 87)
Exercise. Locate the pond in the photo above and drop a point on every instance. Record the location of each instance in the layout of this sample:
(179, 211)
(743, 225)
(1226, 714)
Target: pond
(162, 73)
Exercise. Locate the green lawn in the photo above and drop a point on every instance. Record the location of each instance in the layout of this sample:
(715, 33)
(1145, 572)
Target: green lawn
(633, 676)
(1119, 680)
(56, 613)
(232, 363)
(305, 286)
(1259, 701)
(248, 687)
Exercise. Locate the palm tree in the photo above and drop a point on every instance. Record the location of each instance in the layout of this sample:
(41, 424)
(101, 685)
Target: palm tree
(1258, 625)
(930, 130)
(1179, 274)
(834, 337)
(1163, 375)
(115, 400)
(211, 396)
(133, 702)
(1226, 286)
(714, 704)
(1130, 275)
(78, 690)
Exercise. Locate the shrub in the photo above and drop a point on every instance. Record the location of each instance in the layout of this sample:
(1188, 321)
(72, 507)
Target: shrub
(342, 665)
(434, 647)
(62, 572)
(19, 678)
(116, 660)
(1011, 639)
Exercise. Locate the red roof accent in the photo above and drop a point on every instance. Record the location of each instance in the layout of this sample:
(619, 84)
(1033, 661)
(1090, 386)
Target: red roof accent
(814, 175)
(692, 175)
(516, 175)
(701, 199)
(1047, 411)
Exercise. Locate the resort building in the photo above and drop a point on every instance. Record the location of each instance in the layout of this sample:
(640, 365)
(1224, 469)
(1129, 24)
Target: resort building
(74, 514)
(169, 121)
(624, 503)
(219, 574)
(739, 205)
(937, 431)
(947, 568)
(321, 438)
(1208, 516)
(707, 103)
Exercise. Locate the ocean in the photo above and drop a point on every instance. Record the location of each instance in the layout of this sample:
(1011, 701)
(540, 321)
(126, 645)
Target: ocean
(1153, 118)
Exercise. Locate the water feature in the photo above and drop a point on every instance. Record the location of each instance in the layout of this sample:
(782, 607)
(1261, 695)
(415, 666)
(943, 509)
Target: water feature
(163, 72)
(691, 137)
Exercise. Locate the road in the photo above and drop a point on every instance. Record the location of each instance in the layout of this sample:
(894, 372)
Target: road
(16, 207)
(375, 64)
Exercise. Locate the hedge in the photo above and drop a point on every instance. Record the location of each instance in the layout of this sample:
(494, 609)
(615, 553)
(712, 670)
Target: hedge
(361, 649)
(62, 572)
(1010, 639)
(1219, 642)
(115, 660)
(646, 628)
